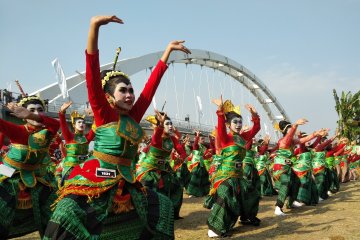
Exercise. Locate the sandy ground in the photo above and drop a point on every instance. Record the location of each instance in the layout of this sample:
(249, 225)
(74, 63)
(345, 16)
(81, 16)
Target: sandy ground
(336, 218)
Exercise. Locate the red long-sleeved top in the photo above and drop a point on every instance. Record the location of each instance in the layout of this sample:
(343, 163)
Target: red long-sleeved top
(157, 140)
(19, 134)
(103, 112)
(68, 135)
(263, 148)
(227, 139)
(1, 140)
(322, 146)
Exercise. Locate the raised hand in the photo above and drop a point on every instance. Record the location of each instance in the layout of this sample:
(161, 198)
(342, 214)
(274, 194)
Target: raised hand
(103, 20)
(18, 111)
(251, 109)
(65, 106)
(178, 45)
(218, 102)
(267, 138)
(161, 118)
(301, 121)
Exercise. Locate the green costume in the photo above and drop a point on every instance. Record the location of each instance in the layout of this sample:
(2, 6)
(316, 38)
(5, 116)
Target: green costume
(225, 191)
(262, 166)
(155, 173)
(199, 183)
(283, 176)
(333, 179)
(102, 192)
(251, 193)
(26, 196)
(305, 190)
(320, 174)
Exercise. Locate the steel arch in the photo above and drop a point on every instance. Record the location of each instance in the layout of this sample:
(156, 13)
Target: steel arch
(76, 83)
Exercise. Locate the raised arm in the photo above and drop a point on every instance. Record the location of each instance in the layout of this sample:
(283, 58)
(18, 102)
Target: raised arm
(248, 135)
(287, 141)
(103, 113)
(147, 94)
(67, 134)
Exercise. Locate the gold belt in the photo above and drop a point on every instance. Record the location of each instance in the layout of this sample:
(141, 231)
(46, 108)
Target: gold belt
(19, 165)
(112, 159)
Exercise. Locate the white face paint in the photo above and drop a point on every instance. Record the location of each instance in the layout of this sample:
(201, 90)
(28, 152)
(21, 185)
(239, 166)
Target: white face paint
(168, 127)
(236, 124)
(79, 125)
(124, 96)
(36, 109)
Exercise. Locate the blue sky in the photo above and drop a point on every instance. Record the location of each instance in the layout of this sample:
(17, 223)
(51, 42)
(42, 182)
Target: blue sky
(300, 49)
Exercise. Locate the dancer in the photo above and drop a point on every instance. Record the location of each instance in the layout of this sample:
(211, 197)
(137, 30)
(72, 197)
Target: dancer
(228, 180)
(77, 144)
(25, 184)
(103, 189)
(154, 171)
(262, 166)
(282, 173)
(198, 184)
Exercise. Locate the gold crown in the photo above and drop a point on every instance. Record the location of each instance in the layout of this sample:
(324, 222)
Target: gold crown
(110, 75)
(228, 106)
(151, 119)
(213, 132)
(26, 99)
(277, 127)
(74, 115)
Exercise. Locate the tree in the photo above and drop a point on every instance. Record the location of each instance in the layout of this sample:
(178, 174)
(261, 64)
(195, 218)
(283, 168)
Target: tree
(348, 109)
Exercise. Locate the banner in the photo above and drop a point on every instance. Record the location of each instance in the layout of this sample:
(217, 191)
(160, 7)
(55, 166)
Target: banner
(61, 78)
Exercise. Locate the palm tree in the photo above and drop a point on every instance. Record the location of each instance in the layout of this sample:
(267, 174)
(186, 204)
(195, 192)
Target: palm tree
(348, 109)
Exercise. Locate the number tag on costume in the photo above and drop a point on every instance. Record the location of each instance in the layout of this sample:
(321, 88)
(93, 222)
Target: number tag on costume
(6, 170)
(82, 157)
(105, 173)
(238, 165)
(161, 162)
(288, 161)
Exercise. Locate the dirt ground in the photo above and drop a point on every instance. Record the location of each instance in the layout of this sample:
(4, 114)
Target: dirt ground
(337, 218)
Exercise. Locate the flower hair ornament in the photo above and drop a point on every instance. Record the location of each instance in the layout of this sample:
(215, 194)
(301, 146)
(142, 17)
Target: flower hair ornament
(113, 73)
(74, 115)
(26, 99)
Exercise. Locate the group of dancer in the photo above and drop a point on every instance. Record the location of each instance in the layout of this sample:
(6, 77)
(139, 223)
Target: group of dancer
(121, 191)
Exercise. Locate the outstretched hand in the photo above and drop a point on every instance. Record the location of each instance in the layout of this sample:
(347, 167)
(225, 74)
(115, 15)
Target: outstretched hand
(103, 20)
(161, 118)
(251, 109)
(65, 106)
(178, 45)
(301, 121)
(218, 102)
(18, 111)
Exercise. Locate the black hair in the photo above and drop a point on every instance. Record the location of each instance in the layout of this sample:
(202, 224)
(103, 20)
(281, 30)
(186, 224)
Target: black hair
(33, 101)
(113, 82)
(284, 126)
(230, 115)
(260, 141)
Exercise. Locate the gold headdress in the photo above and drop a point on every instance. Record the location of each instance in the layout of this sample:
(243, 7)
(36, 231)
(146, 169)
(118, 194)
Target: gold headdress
(113, 73)
(228, 106)
(277, 127)
(213, 132)
(74, 115)
(151, 119)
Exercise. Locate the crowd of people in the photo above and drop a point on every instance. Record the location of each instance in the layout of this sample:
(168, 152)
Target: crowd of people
(132, 187)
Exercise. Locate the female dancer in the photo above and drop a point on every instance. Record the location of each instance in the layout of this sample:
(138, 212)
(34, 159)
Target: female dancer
(154, 171)
(104, 185)
(25, 184)
(228, 180)
(77, 144)
(282, 173)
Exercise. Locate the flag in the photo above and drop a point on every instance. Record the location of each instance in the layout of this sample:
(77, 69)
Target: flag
(61, 78)
(266, 129)
(200, 106)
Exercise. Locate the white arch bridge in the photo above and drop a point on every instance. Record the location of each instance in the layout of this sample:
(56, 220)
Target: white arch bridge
(229, 68)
